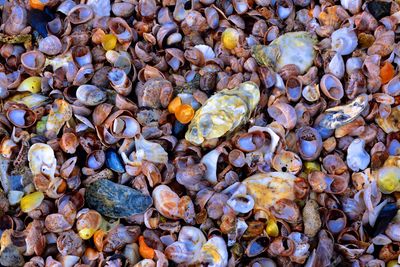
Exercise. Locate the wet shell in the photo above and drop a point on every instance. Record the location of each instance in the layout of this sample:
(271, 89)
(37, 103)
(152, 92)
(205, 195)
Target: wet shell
(287, 161)
(115, 200)
(284, 114)
(21, 117)
(391, 123)
(268, 188)
(357, 158)
(80, 14)
(291, 48)
(228, 109)
(344, 41)
(331, 87)
(214, 252)
(338, 116)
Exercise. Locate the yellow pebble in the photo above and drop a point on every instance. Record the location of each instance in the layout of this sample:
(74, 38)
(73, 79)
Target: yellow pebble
(272, 228)
(31, 84)
(311, 166)
(87, 233)
(230, 38)
(31, 201)
(109, 42)
(388, 179)
(392, 263)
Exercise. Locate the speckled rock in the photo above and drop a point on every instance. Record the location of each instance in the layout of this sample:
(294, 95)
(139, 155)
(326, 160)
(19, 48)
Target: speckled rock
(311, 218)
(116, 200)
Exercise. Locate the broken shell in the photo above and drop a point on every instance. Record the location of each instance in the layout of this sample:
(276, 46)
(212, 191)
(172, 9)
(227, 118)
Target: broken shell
(33, 62)
(383, 44)
(214, 252)
(31, 201)
(331, 87)
(21, 117)
(50, 45)
(249, 142)
(336, 66)
(42, 160)
(82, 55)
(293, 89)
(282, 51)
(31, 84)
(87, 223)
(80, 14)
(393, 87)
(287, 161)
(154, 93)
(120, 82)
(311, 92)
(122, 9)
(241, 203)
(344, 41)
(146, 150)
(90, 95)
(68, 143)
(268, 188)
(16, 19)
(166, 201)
(114, 161)
(284, 114)
(121, 30)
(337, 116)
(115, 200)
(96, 159)
(357, 158)
(309, 143)
(210, 160)
(60, 113)
(354, 6)
(212, 17)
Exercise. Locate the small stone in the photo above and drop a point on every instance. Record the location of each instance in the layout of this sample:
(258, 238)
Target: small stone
(379, 9)
(116, 200)
(311, 218)
(10, 256)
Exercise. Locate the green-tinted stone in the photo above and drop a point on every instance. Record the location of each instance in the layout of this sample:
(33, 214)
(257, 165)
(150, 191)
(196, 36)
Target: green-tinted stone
(116, 200)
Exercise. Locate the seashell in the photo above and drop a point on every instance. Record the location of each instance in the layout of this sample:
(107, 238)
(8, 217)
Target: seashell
(393, 87)
(336, 66)
(69, 142)
(113, 161)
(282, 51)
(287, 210)
(33, 62)
(50, 45)
(284, 114)
(337, 116)
(287, 161)
(357, 158)
(82, 55)
(188, 247)
(122, 9)
(16, 21)
(267, 188)
(389, 124)
(115, 200)
(240, 6)
(353, 64)
(90, 95)
(87, 223)
(31, 84)
(42, 160)
(311, 92)
(336, 221)
(84, 74)
(121, 30)
(210, 160)
(154, 93)
(387, 178)
(120, 82)
(95, 160)
(241, 203)
(383, 44)
(284, 8)
(309, 143)
(21, 117)
(302, 246)
(80, 14)
(249, 142)
(331, 87)
(392, 231)
(293, 89)
(100, 8)
(244, 97)
(344, 41)
(60, 113)
(354, 6)
(212, 17)
(214, 252)
(150, 151)
(166, 202)
(66, 6)
(55, 26)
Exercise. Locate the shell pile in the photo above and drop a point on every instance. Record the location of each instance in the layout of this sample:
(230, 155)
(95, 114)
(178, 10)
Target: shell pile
(199, 133)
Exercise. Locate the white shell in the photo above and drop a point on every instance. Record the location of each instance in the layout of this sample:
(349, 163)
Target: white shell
(241, 203)
(336, 66)
(214, 252)
(101, 8)
(344, 41)
(357, 158)
(210, 160)
(207, 51)
(352, 64)
(42, 160)
(393, 231)
(354, 6)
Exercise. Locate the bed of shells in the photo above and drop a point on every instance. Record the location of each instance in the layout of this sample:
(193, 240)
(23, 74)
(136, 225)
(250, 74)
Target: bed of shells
(199, 133)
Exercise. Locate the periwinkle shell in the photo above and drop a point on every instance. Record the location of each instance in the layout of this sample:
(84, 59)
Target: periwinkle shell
(116, 200)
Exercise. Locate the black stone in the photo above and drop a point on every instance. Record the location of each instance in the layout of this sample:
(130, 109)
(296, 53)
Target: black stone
(116, 200)
(384, 218)
(379, 9)
(114, 161)
(38, 19)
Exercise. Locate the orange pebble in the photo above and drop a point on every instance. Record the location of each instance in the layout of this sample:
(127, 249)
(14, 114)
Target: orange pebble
(184, 114)
(37, 4)
(387, 72)
(98, 239)
(174, 104)
(144, 250)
